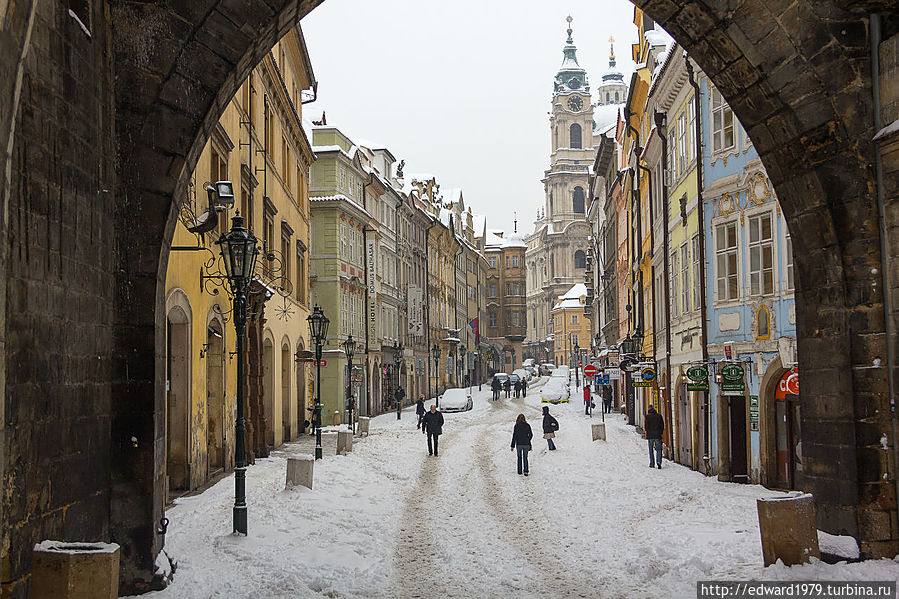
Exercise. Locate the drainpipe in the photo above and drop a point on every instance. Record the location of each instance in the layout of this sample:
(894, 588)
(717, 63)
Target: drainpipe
(702, 274)
(638, 238)
(661, 120)
(365, 231)
(876, 34)
(428, 304)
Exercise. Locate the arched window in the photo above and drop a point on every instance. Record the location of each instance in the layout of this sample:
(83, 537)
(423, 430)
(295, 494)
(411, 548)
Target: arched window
(580, 260)
(607, 98)
(550, 204)
(552, 265)
(763, 323)
(616, 97)
(578, 200)
(574, 136)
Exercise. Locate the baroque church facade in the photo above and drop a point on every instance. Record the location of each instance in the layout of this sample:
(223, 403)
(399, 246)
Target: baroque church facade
(557, 249)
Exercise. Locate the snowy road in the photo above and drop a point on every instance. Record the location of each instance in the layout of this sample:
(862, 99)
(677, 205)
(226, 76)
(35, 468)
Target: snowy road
(387, 520)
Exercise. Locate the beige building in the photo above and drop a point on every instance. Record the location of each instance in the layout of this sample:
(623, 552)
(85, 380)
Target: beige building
(571, 327)
(259, 145)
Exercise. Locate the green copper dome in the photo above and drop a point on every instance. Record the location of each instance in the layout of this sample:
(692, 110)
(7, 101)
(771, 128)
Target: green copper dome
(571, 76)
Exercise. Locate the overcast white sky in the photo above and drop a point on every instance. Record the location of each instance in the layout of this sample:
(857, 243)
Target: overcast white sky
(460, 89)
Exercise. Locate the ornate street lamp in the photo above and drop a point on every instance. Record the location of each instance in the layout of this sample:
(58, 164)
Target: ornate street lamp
(577, 359)
(349, 347)
(462, 360)
(318, 329)
(435, 351)
(397, 358)
(627, 345)
(638, 342)
(239, 252)
(479, 368)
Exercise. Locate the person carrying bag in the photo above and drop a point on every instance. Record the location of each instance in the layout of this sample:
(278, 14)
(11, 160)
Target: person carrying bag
(550, 426)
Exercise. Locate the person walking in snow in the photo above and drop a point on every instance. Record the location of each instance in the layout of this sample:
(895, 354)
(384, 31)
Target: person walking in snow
(550, 426)
(524, 388)
(507, 385)
(496, 385)
(521, 439)
(607, 399)
(433, 427)
(420, 409)
(587, 400)
(654, 426)
(518, 388)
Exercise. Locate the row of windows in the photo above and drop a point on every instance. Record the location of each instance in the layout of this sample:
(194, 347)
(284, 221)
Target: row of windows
(578, 201)
(758, 256)
(514, 318)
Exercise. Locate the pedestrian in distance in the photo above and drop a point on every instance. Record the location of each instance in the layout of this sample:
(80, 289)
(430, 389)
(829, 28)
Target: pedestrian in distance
(432, 425)
(655, 425)
(496, 385)
(521, 439)
(518, 388)
(420, 409)
(524, 388)
(550, 426)
(588, 400)
(507, 385)
(607, 399)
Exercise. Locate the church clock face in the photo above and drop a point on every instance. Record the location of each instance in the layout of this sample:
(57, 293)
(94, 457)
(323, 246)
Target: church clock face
(575, 103)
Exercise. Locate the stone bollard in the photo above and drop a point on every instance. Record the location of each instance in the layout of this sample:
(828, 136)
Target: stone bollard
(75, 571)
(788, 528)
(336, 418)
(299, 471)
(344, 441)
(599, 431)
(363, 425)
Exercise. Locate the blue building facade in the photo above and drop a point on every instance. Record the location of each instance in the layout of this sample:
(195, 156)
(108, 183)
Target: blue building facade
(753, 408)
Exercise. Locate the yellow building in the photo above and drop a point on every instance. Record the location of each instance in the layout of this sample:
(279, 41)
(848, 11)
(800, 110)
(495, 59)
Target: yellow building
(571, 328)
(259, 145)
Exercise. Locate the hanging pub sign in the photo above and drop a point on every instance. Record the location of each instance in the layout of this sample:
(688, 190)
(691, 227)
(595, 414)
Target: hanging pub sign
(732, 378)
(698, 378)
(648, 374)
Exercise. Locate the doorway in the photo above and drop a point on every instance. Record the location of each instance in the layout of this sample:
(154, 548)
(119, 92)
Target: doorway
(285, 393)
(737, 416)
(684, 427)
(788, 433)
(302, 414)
(268, 390)
(178, 400)
(215, 398)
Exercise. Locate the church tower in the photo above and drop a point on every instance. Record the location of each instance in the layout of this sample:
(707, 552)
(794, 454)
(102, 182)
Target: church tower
(557, 250)
(613, 89)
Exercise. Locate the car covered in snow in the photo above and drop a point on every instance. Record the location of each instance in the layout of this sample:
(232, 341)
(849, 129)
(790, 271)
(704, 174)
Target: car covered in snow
(555, 391)
(547, 368)
(514, 378)
(502, 377)
(562, 372)
(532, 370)
(455, 400)
(522, 374)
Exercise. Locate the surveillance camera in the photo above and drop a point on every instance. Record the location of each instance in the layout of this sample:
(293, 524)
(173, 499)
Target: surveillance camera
(221, 194)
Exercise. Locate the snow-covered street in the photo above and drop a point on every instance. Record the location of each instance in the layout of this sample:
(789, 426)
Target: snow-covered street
(387, 520)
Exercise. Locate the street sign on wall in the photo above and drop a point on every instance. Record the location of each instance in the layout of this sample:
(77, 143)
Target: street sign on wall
(697, 378)
(589, 370)
(732, 378)
(753, 412)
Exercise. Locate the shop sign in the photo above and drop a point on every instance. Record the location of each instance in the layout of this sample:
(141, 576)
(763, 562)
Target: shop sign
(613, 373)
(602, 379)
(788, 385)
(753, 412)
(703, 386)
(698, 374)
(642, 384)
(732, 372)
(656, 402)
(372, 291)
(732, 386)
(648, 374)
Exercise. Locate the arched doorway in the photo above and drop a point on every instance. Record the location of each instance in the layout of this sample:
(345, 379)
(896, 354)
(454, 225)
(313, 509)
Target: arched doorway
(375, 389)
(178, 400)
(215, 397)
(286, 420)
(268, 388)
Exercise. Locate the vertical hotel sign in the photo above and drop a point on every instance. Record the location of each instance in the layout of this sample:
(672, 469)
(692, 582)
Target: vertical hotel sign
(372, 315)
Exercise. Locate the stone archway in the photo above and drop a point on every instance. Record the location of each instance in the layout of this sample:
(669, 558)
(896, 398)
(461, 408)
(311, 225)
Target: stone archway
(134, 121)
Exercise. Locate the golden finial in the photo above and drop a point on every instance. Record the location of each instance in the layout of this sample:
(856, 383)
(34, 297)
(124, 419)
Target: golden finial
(611, 47)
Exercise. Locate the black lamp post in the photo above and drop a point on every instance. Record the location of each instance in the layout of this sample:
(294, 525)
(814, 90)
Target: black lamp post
(318, 328)
(479, 368)
(239, 252)
(349, 347)
(462, 361)
(397, 358)
(435, 351)
(638, 342)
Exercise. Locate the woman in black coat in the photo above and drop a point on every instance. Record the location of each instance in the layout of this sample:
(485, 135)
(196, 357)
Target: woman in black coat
(521, 438)
(550, 426)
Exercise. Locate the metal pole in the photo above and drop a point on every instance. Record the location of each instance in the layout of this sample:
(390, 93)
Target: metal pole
(350, 394)
(318, 399)
(240, 457)
(399, 400)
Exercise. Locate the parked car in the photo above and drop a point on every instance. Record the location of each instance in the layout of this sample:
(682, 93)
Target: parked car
(529, 362)
(555, 391)
(547, 368)
(514, 378)
(502, 376)
(455, 400)
(561, 372)
(522, 374)
(532, 371)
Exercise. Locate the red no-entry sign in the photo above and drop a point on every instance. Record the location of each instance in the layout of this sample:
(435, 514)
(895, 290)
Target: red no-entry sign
(589, 370)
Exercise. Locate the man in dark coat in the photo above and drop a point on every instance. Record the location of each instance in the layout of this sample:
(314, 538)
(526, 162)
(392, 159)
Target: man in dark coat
(521, 439)
(508, 387)
(420, 409)
(496, 385)
(655, 426)
(607, 399)
(524, 388)
(433, 427)
(518, 388)
(550, 426)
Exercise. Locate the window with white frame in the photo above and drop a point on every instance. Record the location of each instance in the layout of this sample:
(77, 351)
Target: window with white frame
(574, 319)
(726, 261)
(672, 157)
(685, 278)
(761, 255)
(516, 319)
(674, 270)
(514, 261)
(691, 127)
(660, 300)
(788, 267)
(697, 290)
(492, 261)
(722, 123)
(681, 142)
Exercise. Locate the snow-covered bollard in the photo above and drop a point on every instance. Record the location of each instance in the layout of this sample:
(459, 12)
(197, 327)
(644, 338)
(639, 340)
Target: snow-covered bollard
(299, 471)
(599, 431)
(363, 425)
(75, 570)
(788, 528)
(344, 441)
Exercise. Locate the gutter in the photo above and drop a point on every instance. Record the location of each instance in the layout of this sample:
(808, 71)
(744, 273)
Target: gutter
(661, 122)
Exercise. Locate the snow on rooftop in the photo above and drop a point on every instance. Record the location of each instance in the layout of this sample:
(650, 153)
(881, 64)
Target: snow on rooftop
(605, 116)
(658, 37)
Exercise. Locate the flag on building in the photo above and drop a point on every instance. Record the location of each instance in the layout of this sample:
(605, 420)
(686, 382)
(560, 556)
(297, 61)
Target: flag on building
(474, 329)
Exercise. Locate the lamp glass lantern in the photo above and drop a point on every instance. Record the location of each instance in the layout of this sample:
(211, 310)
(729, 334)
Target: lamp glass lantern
(435, 351)
(397, 353)
(239, 251)
(349, 347)
(318, 325)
